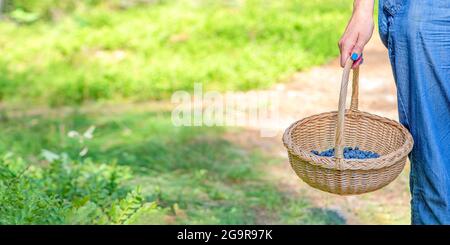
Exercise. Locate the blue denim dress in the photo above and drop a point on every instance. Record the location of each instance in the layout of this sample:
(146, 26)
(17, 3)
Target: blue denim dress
(417, 35)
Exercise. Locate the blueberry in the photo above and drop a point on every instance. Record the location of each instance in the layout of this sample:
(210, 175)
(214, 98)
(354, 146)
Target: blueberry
(315, 152)
(348, 152)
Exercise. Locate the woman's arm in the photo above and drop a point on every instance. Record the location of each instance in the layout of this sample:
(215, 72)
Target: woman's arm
(359, 30)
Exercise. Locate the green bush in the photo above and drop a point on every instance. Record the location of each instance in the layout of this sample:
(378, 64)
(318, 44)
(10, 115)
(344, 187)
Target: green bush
(22, 201)
(67, 192)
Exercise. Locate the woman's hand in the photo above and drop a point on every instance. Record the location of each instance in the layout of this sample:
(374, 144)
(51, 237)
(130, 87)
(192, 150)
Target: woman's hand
(358, 32)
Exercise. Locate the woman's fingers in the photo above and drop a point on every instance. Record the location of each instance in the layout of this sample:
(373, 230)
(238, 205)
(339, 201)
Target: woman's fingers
(357, 53)
(358, 61)
(351, 49)
(346, 46)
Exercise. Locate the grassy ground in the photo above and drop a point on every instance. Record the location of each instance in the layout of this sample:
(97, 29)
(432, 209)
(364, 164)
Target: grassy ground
(147, 51)
(195, 174)
(70, 52)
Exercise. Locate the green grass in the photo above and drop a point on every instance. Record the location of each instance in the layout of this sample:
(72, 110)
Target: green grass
(193, 174)
(102, 52)
(74, 52)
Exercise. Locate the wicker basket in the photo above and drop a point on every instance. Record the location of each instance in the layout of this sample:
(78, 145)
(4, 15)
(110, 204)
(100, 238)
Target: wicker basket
(370, 132)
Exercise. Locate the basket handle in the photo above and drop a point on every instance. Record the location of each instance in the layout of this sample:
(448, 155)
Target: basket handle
(339, 140)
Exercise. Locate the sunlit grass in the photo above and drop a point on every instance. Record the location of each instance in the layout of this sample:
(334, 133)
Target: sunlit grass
(147, 52)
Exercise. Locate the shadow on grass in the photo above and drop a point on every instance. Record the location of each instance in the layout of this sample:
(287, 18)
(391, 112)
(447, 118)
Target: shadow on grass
(327, 216)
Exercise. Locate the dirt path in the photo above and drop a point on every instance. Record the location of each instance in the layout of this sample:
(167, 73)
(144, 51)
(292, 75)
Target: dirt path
(316, 90)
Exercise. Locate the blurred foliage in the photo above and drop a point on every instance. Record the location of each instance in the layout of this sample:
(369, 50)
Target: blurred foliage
(69, 52)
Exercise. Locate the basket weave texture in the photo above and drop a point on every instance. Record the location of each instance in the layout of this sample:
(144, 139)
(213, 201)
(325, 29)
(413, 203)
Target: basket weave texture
(391, 140)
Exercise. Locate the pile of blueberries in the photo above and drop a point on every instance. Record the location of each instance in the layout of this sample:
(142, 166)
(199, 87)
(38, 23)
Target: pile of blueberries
(349, 153)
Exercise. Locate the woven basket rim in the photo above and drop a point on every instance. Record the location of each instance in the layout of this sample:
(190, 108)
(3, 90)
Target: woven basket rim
(350, 164)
